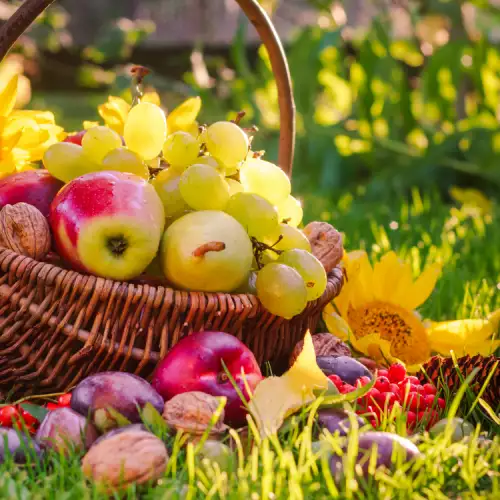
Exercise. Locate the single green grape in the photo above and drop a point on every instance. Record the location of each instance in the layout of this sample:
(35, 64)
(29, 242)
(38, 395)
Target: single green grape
(290, 211)
(181, 150)
(145, 130)
(234, 186)
(203, 188)
(166, 184)
(208, 160)
(66, 161)
(309, 267)
(99, 141)
(291, 238)
(123, 160)
(265, 179)
(281, 290)
(227, 142)
(254, 213)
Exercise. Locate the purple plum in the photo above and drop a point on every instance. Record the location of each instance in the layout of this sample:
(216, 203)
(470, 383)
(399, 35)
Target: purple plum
(336, 419)
(107, 395)
(64, 430)
(348, 369)
(20, 446)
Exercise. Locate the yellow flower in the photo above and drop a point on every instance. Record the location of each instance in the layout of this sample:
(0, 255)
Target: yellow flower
(377, 307)
(24, 135)
(466, 336)
(472, 199)
(183, 117)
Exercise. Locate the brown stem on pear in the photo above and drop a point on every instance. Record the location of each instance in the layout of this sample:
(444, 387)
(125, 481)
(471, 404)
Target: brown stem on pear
(211, 246)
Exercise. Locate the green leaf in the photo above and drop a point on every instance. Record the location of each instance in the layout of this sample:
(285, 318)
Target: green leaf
(118, 417)
(152, 418)
(38, 412)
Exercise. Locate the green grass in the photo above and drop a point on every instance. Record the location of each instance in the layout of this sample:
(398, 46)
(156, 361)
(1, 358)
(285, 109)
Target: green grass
(422, 230)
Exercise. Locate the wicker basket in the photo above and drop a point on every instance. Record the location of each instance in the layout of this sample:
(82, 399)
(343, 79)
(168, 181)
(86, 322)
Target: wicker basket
(58, 326)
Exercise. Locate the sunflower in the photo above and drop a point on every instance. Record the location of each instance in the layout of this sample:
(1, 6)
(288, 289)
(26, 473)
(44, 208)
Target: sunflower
(376, 312)
(115, 110)
(24, 134)
(377, 307)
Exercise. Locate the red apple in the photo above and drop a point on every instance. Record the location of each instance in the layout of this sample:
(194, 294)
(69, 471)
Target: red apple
(35, 187)
(196, 364)
(75, 138)
(108, 223)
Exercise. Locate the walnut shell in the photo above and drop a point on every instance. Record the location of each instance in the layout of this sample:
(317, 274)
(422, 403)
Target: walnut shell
(325, 344)
(25, 230)
(193, 412)
(133, 456)
(326, 244)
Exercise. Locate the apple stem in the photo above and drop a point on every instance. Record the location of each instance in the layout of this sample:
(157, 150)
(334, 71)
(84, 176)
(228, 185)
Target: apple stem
(211, 246)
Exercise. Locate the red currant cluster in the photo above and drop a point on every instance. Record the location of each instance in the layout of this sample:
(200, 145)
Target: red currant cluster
(394, 386)
(17, 417)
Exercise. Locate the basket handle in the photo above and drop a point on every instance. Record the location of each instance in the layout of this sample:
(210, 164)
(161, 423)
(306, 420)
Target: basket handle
(26, 14)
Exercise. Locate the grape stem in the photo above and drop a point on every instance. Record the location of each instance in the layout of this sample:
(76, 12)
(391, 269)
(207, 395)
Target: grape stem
(137, 89)
(259, 248)
(211, 246)
(239, 117)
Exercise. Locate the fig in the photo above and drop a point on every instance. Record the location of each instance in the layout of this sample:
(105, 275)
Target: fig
(348, 369)
(34, 187)
(461, 428)
(387, 444)
(106, 396)
(20, 446)
(65, 430)
(336, 419)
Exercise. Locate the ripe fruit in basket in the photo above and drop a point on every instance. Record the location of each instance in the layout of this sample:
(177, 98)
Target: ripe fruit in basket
(35, 187)
(66, 161)
(290, 211)
(123, 159)
(206, 251)
(145, 130)
(166, 184)
(99, 141)
(196, 363)
(254, 213)
(108, 224)
(309, 267)
(204, 188)
(281, 290)
(181, 150)
(226, 142)
(265, 179)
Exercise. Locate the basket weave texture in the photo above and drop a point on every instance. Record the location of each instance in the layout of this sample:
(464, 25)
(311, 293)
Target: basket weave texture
(58, 326)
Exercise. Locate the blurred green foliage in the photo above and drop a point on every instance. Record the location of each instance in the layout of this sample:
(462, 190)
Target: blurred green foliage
(379, 111)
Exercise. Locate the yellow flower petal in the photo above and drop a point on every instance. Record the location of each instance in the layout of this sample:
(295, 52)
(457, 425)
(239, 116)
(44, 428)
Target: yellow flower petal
(114, 113)
(375, 347)
(151, 97)
(423, 287)
(468, 336)
(335, 324)
(183, 116)
(8, 96)
(41, 117)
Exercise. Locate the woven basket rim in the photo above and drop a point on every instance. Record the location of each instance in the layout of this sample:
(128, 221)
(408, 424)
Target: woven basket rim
(50, 273)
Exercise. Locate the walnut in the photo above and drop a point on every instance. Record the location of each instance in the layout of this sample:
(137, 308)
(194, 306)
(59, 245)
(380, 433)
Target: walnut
(326, 244)
(325, 344)
(25, 230)
(193, 412)
(133, 456)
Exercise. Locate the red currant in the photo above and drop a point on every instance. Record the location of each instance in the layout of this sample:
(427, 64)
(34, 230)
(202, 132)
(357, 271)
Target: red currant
(52, 406)
(412, 380)
(8, 415)
(394, 388)
(382, 373)
(75, 138)
(64, 400)
(411, 420)
(334, 378)
(415, 401)
(382, 384)
(29, 419)
(396, 373)
(429, 401)
(364, 380)
(391, 398)
(346, 388)
(441, 403)
(429, 389)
